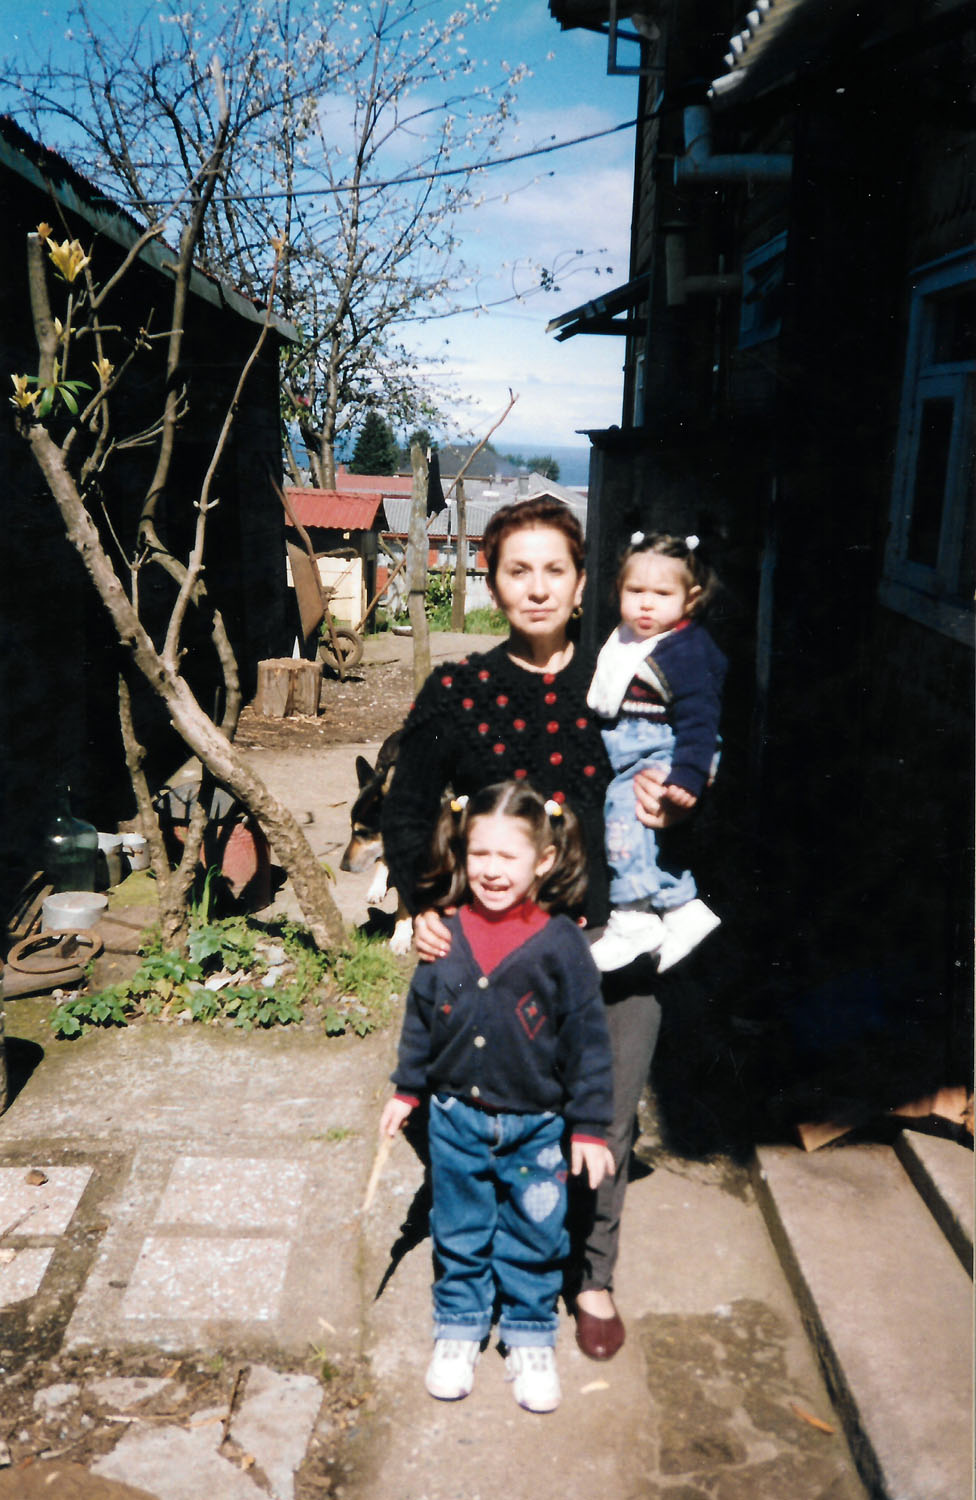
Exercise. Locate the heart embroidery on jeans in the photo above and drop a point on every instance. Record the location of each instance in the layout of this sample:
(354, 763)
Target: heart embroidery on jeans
(550, 1156)
(540, 1198)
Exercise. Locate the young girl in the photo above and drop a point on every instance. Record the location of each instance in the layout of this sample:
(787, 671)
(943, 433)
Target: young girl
(507, 1036)
(658, 683)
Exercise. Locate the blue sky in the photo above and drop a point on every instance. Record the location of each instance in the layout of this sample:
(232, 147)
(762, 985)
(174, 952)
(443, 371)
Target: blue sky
(543, 209)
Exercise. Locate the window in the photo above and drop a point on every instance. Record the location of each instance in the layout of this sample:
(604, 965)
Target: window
(761, 313)
(930, 568)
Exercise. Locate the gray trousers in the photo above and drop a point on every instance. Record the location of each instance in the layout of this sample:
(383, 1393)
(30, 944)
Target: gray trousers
(634, 1022)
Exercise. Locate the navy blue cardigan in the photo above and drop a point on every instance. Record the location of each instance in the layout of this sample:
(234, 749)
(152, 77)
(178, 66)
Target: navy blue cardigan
(681, 681)
(529, 1037)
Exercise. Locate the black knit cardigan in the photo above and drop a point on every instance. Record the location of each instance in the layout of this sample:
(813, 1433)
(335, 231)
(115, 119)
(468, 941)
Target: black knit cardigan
(486, 719)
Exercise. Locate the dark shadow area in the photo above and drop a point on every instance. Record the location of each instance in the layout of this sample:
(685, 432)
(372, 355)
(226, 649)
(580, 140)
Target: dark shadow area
(22, 1058)
(416, 1226)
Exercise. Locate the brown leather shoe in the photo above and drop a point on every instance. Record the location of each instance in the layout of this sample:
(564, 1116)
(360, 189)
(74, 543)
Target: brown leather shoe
(599, 1338)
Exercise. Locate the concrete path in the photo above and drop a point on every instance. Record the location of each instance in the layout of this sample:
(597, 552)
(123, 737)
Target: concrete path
(202, 1195)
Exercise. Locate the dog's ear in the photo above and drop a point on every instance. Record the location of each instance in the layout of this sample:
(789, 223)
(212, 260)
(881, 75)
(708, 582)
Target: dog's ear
(364, 771)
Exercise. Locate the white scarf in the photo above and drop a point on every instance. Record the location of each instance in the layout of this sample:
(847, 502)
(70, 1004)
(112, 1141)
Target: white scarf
(616, 667)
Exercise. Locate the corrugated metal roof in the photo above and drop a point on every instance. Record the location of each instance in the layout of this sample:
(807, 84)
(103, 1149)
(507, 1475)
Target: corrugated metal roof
(329, 509)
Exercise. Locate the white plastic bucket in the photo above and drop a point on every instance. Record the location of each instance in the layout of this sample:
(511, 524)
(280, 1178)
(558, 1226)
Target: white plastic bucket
(67, 910)
(136, 850)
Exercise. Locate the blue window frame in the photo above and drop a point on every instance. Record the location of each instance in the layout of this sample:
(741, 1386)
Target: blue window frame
(930, 559)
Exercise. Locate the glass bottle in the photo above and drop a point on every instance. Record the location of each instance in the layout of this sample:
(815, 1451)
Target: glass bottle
(70, 848)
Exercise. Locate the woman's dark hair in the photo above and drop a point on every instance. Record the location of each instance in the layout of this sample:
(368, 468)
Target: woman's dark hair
(542, 511)
(445, 881)
(685, 549)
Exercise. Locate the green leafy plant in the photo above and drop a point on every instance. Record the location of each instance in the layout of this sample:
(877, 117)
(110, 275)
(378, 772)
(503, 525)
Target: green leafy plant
(241, 973)
(437, 600)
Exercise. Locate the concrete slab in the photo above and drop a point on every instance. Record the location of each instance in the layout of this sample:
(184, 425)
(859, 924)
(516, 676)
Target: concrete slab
(243, 1194)
(890, 1306)
(177, 1464)
(275, 1422)
(21, 1277)
(942, 1171)
(194, 1280)
(42, 1209)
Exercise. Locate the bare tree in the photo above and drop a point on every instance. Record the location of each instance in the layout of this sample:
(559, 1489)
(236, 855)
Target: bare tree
(355, 133)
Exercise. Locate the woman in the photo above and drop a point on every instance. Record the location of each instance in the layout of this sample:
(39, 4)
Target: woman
(519, 711)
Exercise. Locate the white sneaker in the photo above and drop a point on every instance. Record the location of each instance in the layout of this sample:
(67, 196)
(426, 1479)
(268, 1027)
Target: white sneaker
(684, 929)
(450, 1374)
(626, 936)
(532, 1367)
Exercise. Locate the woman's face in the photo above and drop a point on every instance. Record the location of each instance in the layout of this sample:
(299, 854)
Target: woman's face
(536, 584)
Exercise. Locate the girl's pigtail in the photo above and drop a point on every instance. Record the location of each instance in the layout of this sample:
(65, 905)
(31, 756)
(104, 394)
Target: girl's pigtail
(564, 888)
(443, 881)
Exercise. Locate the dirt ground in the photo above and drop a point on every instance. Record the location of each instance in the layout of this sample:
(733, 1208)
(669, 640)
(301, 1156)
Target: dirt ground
(371, 703)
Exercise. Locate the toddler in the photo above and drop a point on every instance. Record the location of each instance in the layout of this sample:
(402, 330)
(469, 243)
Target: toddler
(507, 1037)
(658, 684)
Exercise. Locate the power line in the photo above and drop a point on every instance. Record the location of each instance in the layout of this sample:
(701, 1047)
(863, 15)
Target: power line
(369, 187)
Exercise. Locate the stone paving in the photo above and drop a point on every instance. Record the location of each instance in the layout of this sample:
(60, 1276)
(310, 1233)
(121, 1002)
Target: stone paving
(202, 1196)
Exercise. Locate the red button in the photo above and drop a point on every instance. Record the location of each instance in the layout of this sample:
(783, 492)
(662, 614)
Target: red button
(589, 770)
(467, 703)
(447, 682)
(520, 775)
(559, 796)
(552, 727)
(582, 723)
(555, 759)
(499, 749)
(550, 698)
(549, 677)
(501, 700)
(483, 676)
(483, 728)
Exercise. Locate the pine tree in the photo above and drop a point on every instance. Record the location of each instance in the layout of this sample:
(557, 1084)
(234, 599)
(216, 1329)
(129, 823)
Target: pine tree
(377, 450)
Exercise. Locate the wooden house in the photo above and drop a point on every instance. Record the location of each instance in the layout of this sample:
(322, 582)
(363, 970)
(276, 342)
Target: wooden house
(799, 336)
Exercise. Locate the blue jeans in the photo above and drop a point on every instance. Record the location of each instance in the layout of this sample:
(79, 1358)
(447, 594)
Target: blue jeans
(637, 871)
(498, 1221)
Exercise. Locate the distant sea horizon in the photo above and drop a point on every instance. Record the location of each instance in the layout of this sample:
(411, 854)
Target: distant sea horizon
(574, 462)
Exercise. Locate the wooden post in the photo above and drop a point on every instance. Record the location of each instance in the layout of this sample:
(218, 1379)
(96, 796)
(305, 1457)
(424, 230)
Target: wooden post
(417, 568)
(461, 561)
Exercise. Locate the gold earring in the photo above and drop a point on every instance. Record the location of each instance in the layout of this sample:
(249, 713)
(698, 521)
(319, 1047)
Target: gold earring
(577, 613)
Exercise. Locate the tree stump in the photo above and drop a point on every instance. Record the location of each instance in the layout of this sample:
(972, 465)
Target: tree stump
(287, 686)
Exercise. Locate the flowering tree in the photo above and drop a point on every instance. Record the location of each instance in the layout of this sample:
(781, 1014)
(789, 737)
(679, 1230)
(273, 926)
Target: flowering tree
(343, 135)
(68, 423)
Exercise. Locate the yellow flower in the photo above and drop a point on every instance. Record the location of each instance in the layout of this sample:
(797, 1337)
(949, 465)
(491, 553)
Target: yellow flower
(68, 258)
(22, 397)
(43, 231)
(103, 369)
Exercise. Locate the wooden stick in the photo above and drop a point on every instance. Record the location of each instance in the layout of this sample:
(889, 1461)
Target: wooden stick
(379, 1162)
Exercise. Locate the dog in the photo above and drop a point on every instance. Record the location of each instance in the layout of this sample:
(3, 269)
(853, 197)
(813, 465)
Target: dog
(365, 845)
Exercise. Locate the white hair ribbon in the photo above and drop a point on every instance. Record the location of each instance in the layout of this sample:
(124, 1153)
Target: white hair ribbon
(553, 808)
(691, 542)
(458, 804)
(637, 538)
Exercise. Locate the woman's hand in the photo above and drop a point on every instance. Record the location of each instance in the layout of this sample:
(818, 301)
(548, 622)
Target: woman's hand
(431, 938)
(395, 1114)
(597, 1159)
(654, 808)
